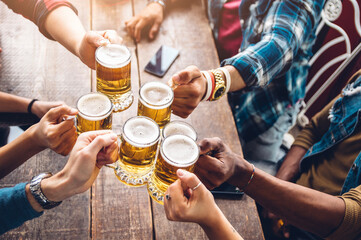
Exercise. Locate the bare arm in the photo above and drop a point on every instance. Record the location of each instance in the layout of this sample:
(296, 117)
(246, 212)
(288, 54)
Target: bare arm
(12, 103)
(48, 133)
(291, 164)
(308, 209)
(65, 27)
(189, 205)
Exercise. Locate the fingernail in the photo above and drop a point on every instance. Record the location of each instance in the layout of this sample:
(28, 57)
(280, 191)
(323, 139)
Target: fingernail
(181, 172)
(104, 42)
(113, 137)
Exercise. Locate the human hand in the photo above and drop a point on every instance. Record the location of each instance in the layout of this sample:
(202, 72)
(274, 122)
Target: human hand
(188, 205)
(54, 133)
(91, 41)
(82, 167)
(276, 227)
(218, 164)
(151, 16)
(189, 87)
(40, 108)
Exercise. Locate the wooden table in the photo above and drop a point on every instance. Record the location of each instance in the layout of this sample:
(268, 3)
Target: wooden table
(35, 67)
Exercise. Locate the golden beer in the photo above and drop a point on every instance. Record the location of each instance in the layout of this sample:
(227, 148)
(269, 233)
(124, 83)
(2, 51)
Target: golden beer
(179, 127)
(155, 99)
(139, 143)
(94, 112)
(177, 151)
(113, 72)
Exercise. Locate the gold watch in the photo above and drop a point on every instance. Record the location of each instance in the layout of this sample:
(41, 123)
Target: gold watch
(220, 85)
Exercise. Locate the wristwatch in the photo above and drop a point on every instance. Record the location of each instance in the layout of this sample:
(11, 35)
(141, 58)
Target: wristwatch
(220, 85)
(35, 189)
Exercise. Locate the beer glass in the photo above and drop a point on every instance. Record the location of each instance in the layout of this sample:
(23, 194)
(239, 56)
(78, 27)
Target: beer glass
(179, 127)
(176, 151)
(155, 99)
(113, 67)
(94, 112)
(139, 145)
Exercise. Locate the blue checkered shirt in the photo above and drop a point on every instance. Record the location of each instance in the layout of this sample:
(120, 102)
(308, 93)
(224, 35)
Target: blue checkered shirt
(278, 36)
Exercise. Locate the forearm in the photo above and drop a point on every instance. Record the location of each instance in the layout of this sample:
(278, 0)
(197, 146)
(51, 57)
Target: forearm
(18, 151)
(289, 169)
(220, 228)
(305, 208)
(65, 27)
(13, 103)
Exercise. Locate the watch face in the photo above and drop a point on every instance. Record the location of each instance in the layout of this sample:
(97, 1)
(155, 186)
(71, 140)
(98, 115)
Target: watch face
(219, 92)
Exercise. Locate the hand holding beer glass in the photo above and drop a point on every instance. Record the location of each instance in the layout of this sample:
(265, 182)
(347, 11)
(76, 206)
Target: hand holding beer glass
(94, 112)
(113, 71)
(176, 152)
(155, 99)
(139, 144)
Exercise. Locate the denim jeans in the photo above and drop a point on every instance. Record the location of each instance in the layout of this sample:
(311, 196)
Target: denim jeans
(267, 146)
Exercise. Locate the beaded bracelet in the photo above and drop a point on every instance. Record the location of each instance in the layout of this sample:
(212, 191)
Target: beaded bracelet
(31, 104)
(250, 179)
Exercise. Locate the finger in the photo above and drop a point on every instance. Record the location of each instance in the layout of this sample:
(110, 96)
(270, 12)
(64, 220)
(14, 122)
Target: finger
(91, 135)
(189, 179)
(64, 126)
(154, 30)
(175, 190)
(113, 36)
(211, 164)
(68, 139)
(130, 25)
(99, 142)
(110, 154)
(208, 145)
(181, 111)
(205, 177)
(95, 39)
(138, 29)
(187, 75)
(54, 114)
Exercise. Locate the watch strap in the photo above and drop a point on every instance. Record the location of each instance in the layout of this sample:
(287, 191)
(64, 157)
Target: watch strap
(35, 190)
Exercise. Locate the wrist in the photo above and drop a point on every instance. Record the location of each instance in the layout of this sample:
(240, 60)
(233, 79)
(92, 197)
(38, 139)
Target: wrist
(160, 3)
(213, 219)
(56, 188)
(243, 172)
(34, 139)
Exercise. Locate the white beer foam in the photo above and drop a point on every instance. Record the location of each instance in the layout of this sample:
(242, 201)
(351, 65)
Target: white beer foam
(140, 131)
(113, 55)
(156, 95)
(177, 127)
(94, 106)
(181, 150)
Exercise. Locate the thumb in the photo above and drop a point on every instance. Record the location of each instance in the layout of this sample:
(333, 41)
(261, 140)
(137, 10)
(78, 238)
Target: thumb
(154, 30)
(188, 179)
(186, 76)
(54, 114)
(100, 142)
(95, 39)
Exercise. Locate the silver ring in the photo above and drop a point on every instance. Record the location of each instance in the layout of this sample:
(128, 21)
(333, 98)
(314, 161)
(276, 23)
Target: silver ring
(167, 197)
(200, 183)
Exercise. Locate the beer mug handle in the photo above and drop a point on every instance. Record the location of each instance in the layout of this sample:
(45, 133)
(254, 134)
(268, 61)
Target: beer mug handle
(114, 165)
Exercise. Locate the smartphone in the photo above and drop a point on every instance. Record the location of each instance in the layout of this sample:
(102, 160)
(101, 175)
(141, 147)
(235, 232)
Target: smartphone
(161, 61)
(226, 190)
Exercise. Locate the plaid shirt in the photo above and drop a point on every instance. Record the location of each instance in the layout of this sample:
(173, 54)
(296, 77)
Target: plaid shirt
(37, 10)
(278, 36)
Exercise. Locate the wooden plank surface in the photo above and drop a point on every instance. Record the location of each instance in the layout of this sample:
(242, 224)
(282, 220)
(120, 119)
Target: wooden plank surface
(35, 67)
(119, 211)
(186, 28)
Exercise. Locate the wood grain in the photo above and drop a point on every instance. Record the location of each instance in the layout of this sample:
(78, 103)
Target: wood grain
(186, 28)
(119, 211)
(35, 67)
